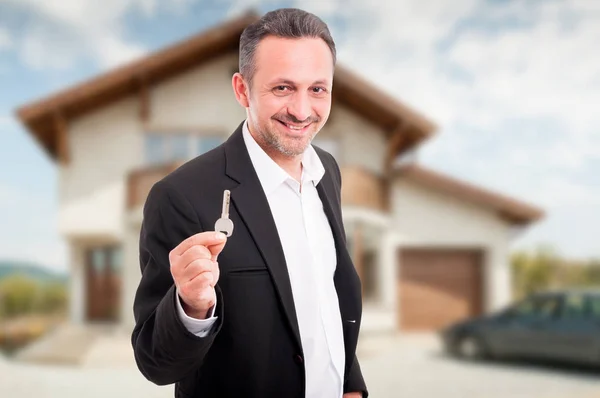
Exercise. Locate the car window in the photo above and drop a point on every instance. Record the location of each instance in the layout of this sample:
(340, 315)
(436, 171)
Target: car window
(524, 308)
(574, 307)
(594, 307)
(538, 307)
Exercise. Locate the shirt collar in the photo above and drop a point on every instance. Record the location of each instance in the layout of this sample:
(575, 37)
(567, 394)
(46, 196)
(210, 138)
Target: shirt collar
(270, 174)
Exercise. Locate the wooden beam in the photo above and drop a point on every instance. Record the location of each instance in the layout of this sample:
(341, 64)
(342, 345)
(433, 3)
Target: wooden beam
(144, 99)
(399, 137)
(62, 138)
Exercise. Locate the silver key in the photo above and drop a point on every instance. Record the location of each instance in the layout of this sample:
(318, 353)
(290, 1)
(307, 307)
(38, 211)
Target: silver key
(224, 224)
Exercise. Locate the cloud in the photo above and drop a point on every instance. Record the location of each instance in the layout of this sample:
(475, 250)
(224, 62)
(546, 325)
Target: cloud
(479, 68)
(6, 41)
(514, 87)
(66, 32)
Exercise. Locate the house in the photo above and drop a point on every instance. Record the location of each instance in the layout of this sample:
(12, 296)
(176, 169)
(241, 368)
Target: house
(429, 249)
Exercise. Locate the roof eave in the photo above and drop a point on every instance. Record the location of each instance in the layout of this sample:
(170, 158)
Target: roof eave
(512, 210)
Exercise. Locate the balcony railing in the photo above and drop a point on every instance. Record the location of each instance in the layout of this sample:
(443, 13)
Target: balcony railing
(360, 187)
(363, 188)
(141, 180)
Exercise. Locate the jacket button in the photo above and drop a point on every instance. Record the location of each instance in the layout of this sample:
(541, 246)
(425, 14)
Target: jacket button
(298, 359)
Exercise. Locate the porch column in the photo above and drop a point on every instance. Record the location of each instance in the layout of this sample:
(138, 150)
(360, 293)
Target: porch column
(77, 298)
(131, 274)
(388, 275)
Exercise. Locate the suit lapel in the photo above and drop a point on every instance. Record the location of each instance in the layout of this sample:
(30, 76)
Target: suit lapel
(251, 203)
(327, 195)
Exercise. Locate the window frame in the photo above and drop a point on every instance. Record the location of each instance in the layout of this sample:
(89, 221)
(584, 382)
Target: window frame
(167, 152)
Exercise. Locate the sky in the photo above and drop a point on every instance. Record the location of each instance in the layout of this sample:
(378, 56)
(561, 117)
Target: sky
(514, 87)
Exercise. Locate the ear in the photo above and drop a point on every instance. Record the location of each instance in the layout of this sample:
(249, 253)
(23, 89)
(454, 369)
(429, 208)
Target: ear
(240, 89)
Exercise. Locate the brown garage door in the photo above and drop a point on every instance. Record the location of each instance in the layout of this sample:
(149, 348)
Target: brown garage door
(438, 287)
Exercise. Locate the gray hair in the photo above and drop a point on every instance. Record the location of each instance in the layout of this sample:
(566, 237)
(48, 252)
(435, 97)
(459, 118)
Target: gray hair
(289, 23)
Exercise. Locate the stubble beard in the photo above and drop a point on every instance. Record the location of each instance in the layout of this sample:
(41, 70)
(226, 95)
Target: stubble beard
(287, 146)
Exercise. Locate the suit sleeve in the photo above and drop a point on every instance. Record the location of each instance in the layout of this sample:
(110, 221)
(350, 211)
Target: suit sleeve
(355, 381)
(165, 350)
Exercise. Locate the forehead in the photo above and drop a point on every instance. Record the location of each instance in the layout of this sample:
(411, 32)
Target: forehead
(305, 59)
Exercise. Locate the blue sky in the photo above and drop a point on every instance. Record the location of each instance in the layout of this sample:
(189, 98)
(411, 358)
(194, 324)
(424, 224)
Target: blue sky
(513, 85)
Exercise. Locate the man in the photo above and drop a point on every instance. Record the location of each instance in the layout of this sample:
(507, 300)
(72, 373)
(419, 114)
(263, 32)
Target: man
(274, 310)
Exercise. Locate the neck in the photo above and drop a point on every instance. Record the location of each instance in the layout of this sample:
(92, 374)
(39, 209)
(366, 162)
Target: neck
(293, 166)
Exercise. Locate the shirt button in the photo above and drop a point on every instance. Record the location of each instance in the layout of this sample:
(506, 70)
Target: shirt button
(298, 359)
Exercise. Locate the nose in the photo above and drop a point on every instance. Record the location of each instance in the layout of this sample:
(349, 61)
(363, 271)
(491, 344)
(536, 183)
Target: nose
(300, 107)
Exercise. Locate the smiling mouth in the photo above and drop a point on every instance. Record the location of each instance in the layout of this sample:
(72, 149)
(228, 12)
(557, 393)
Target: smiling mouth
(293, 127)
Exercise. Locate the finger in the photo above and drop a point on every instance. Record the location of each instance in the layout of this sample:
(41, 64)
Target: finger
(215, 249)
(202, 280)
(197, 267)
(194, 253)
(207, 238)
(216, 272)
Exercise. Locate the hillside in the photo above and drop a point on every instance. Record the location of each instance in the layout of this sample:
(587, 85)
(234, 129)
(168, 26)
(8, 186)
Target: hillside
(30, 270)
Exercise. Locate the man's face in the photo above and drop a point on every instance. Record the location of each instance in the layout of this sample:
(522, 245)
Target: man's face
(290, 98)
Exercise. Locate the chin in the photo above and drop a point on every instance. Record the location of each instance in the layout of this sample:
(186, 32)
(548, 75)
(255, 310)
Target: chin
(291, 148)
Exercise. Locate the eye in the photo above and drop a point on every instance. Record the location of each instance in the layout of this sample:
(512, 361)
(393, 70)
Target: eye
(319, 90)
(282, 88)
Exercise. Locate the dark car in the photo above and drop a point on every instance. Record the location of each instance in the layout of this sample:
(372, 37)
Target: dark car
(553, 325)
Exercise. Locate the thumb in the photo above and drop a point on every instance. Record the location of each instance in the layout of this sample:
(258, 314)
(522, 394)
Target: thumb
(216, 249)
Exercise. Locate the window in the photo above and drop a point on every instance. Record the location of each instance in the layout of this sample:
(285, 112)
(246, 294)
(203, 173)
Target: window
(155, 148)
(594, 306)
(98, 260)
(105, 259)
(206, 143)
(116, 258)
(169, 147)
(574, 307)
(180, 146)
(538, 307)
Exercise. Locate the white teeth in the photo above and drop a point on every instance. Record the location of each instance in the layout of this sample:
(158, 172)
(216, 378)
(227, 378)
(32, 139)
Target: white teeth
(294, 127)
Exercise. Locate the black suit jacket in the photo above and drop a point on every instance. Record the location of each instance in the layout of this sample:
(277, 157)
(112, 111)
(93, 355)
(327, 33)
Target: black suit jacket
(253, 349)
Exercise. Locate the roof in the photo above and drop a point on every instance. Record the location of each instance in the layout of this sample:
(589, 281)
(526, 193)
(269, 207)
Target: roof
(510, 209)
(45, 118)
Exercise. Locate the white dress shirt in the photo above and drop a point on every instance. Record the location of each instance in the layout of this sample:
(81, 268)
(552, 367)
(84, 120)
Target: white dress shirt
(310, 254)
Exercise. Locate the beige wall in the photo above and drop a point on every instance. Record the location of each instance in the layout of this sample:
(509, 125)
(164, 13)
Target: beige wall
(103, 147)
(361, 143)
(427, 218)
(199, 99)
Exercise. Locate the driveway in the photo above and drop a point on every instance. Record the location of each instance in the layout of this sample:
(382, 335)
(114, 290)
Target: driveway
(411, 366)
(414, 366)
